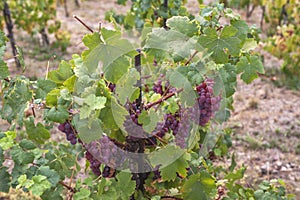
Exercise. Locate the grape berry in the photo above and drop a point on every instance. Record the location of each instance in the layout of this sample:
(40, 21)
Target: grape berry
(69, 131)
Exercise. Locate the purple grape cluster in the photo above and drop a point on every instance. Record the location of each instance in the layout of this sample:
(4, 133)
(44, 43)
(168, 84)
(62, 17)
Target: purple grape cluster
(172, 122)
(106, 151)
(69, 131)
(134, 112)
(183, 129)
(159, 89)
(208, 103)
(94, 163)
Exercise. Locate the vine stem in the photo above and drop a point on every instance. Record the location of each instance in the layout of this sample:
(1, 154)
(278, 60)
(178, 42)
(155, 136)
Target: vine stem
(190, 59)
(149, 105)
(68, 187)
(9, 26)
(84, 24)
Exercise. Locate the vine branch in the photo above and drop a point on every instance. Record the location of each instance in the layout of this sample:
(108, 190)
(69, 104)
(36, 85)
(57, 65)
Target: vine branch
(84, 24)
(190, 59)
(68, 187)
(149, 105)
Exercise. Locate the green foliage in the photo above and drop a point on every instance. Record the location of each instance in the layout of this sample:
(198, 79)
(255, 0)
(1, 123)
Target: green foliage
(78, 92)
(199, 186)
(16, 96)
(3, 67)
(38, 17)
(146, 12)
(283, 20)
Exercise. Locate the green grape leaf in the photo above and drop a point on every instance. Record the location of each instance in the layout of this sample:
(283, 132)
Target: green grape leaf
(65, 95)
(22, 157)
(95, 103)
(59, 114)
(52, 175)
(113, 115)
(3, 66)
(1, 156)
(4, 179)
(172, 160)
(233, 176)
(7, 141)
(250, 44)
(83, 193)
(178, 80)
(242, 28)
(218, 44)
(88, 129)
(20, 57)
(70, 82)
(126, 87)
(40, 185)
(52, 97)
(121, 2)
(44, 87)
(173, 107)
(199, 186)
(63, 72)
(122, 188)
(16, 99)
(148, 120)
(3, 40)
(169, 173)
(249, 66)
(53, 193)
(144, 118)
(182, 25)
(125, 187)
(107, 48)
(90, 104)
(228, 76)
(27, 144)
(117, 69)
(3, 69)
(38, 133)
(161, 43)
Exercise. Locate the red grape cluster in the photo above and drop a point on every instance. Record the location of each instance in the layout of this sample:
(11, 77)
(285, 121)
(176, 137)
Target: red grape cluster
(94, 163)
(208, 104)
(69, 131)
(172, 122)
(183, 128)
(106, 151)
(159, 89)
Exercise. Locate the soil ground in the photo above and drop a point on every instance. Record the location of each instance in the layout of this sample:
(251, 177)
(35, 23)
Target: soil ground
(265, 121)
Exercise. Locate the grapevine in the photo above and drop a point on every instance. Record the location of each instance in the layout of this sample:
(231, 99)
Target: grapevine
(138, 137)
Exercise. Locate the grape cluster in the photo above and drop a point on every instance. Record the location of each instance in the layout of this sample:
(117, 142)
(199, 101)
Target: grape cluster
(69, 131)
(172, 122)
(106, 151)
(134, 112)
(94, 163)
(183, 130)
(132, 127)
(208, 104)
(159, 89)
